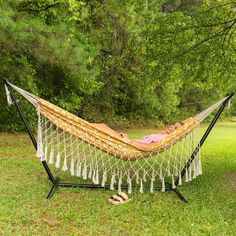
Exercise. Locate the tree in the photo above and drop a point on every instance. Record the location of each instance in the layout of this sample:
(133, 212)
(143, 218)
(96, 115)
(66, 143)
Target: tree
(134, 62)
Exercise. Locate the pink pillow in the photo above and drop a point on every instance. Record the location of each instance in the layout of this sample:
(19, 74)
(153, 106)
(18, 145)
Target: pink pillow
(153, 138)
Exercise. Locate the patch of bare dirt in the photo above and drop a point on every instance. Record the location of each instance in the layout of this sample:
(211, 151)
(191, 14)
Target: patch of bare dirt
(231, 180)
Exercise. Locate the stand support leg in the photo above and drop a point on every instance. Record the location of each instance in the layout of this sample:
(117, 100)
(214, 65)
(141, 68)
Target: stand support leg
(53, 189)
(180, 195)
(28, 129)
(204, 137)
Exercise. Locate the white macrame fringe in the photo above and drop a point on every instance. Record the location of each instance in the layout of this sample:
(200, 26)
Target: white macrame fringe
(190, 173)
(64, 168)
(152, 185)
(186, 176)
(112, 182)
(168, 169)
(46, 153)
(163, 185)
(152, 182)
(9, 99)
(90, 172)
(194, 170)
(96, 176)
(72, 167)
(129, 183)
(58, 160)
(93, 177)
(141, 186)
(199, 166)
(137, 178)
(78, 169)
(173, 182)
(51, 158)
(229, 103)
(39, 152)
(104, 178)
(119, 184)
(180, 178)
(84, 172)
(144, 177)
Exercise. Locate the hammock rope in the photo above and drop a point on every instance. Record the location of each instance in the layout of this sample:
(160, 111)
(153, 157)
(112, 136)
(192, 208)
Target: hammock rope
(75, 145)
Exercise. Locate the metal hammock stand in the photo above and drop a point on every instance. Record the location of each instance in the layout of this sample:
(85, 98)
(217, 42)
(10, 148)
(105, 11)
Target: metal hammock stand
(56, 182)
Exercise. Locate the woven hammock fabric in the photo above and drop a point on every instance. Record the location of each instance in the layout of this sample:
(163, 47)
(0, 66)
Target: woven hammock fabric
(111, 143)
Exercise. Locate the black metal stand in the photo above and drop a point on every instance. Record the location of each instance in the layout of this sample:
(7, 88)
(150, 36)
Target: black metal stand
(204, 137)
(55, 180)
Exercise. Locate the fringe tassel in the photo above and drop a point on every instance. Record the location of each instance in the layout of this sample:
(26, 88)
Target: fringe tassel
(176, 171)
(200, 166)
(194, 170)
(129, 186)
(141, 186)
(78, 169)
(112, 182)
(137, 178)
(119, 184)
(97, 177)
(45, 153)
(129, 183)
(104, 178)
(168, 169)
(190, 173)
(160, 175)
(151, 185)
(64, 168)
(72, 167)
(144, 176)
(90, 172)
(58, 160)
(9, 99)
(152, 182)
(180, 178)
(186, 176)
(51, 157)
(39, 152)
(163, 185)
(93, 176)
(173, 182)
(84, 174)
(229, 103)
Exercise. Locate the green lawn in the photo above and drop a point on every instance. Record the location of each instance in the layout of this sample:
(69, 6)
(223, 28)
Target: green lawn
(25, 211)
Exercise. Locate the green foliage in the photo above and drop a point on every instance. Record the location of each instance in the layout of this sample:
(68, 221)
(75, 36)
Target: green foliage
(124, 63)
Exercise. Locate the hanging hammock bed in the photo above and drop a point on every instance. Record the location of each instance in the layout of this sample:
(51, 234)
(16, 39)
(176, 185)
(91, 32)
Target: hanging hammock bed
(111, 159)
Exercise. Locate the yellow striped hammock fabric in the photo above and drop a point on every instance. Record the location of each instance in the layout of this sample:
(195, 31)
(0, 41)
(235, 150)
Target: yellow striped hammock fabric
(101, 155)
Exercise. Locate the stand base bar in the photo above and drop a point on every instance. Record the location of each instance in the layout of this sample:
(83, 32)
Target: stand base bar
(53, 189)
(57, 184)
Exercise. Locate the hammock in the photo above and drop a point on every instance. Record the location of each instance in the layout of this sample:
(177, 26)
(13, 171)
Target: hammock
(102, 155)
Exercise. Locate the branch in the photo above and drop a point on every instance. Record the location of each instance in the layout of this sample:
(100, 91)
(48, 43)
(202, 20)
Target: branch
(221, 5)
(216, 35)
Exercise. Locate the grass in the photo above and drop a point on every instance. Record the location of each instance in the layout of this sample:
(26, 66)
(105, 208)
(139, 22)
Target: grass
(25, 211)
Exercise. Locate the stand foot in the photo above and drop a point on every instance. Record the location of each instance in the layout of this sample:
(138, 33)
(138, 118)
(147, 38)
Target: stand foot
(53, 189)
(180, 195)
